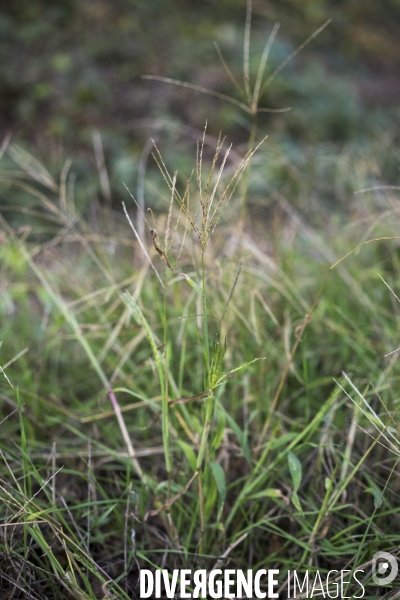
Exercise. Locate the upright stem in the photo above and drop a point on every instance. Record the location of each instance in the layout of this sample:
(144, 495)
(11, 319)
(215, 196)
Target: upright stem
(205, 327)
(202, 517)
(164, 393)
(245, 178)
(209, 404)
(206, 358)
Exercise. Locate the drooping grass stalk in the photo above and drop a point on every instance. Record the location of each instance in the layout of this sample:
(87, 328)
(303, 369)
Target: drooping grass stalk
(141, 319)
(73, 323)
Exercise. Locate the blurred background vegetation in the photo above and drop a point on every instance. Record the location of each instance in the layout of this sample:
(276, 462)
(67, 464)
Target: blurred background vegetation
(70, 68)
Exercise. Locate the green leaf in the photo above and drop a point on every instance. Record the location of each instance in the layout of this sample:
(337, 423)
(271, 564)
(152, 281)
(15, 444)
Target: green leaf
(189, 453)
(225, 376)
(377, 494)
(194, 285)
(296, 473)
(199, 337)
(283, 440)
(219, 477)
(36, 515)
(217, 359)
(267, 493)
(219, 434)
(296, 502)
(241, 435)
(295, 470)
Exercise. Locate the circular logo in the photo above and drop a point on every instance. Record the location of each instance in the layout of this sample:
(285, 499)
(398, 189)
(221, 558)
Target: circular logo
(384, 568)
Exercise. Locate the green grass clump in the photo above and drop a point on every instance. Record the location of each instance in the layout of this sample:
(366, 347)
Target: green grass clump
(228, 397)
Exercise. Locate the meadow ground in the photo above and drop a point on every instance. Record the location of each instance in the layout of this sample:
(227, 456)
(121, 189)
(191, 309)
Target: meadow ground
(227, 397)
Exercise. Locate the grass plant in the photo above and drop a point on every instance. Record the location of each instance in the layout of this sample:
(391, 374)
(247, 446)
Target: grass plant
(218, 389)
(249, 96)
(203, 455)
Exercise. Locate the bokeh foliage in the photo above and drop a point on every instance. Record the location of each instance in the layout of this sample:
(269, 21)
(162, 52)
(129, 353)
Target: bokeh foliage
(70, 66)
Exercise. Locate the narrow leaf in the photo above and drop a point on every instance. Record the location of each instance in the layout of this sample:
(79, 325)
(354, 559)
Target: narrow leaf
(295, 470)
(219, 477)
(296, 502)
(377, 494)
(189, 453)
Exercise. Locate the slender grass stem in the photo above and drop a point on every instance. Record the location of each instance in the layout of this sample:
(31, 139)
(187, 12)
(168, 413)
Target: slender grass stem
(73, 323)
